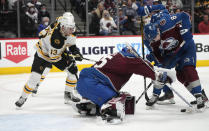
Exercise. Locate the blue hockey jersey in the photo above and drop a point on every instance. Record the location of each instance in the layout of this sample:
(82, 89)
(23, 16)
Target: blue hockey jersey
(175, 38)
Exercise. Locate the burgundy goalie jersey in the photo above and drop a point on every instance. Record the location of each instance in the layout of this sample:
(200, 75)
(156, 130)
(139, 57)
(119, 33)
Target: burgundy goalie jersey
(120, 67)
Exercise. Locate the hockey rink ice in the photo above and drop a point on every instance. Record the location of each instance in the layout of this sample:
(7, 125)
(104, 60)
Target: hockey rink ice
(47, 111)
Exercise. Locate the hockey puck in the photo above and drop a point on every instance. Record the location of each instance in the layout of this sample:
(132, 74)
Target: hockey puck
(183, 110)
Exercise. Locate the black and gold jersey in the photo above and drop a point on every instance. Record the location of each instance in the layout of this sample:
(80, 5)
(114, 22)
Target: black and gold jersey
(52, 43)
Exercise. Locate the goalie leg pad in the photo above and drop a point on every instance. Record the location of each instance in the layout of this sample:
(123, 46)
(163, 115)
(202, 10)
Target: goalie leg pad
(130, 105)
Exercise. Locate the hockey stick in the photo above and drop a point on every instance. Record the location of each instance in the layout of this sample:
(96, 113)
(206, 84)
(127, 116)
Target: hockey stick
(191, 108)
(143, 54)
(89, 59)
(83, 58)
(143, 92)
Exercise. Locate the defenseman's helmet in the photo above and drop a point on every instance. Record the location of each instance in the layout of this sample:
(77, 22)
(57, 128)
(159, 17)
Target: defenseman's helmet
(157, 16)
(150, 32)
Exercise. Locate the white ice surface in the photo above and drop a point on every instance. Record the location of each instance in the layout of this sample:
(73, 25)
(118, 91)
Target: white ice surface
(47, 111)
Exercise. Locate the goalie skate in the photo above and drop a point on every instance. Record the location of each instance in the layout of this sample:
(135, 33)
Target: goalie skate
(113, 112)
(86, 108)
(110, 116)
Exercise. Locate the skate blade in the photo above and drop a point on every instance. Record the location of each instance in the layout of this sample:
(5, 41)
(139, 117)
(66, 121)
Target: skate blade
(201, 109)
(18, 108)
(68, 102)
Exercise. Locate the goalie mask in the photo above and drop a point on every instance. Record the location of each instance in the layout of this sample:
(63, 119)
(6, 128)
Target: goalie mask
(67, 26)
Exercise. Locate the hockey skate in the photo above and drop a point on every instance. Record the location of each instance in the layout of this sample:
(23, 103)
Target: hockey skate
(204, 97)
(152, 101)
(86, 108)
(113, 112)
(167, 98)
(200, 102)
(20, 102)
(70, 97)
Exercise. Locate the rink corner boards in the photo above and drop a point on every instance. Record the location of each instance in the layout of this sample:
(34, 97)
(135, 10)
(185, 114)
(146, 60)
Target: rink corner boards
(18, 70)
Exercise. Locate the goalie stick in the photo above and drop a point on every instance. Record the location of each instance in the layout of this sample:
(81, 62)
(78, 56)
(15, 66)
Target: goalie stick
(143, 54)
(132, 50)
(143, 92)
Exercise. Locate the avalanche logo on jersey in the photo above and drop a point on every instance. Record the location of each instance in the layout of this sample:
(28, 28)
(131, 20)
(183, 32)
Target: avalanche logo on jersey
(169, 44)
(162, 22)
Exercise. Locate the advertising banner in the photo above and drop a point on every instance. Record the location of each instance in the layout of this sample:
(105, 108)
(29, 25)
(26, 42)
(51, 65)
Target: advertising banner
(15, 53)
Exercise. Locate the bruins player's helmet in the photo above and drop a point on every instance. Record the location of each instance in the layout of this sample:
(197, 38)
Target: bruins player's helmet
(67, 25)
(69, 15)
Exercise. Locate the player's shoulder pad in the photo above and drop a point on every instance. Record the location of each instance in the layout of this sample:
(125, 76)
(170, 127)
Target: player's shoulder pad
(71, 40)
(185, 14)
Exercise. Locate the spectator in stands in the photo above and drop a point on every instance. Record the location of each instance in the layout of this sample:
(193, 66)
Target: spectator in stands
(43, 25)
(92, 5)
(36, 3)
(32, 14)
(177, 4)
(29, 23)
(109, 5)
(107, 24)
(130, 16)
(43, 13)
(204, 25)
(96, 16)
(4, 6)
(22, 5)
(134, 5)
(198, 18)
(206, 11)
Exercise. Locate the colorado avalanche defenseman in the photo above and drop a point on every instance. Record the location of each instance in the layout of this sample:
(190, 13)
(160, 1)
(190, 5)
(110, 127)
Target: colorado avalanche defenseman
(171, 45)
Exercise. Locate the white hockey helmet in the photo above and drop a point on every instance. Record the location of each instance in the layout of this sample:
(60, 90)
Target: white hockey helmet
(67, 25)
(68, 15)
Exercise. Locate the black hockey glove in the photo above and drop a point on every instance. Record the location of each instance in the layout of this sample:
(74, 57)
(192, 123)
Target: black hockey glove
(66, 55)
(78, 56)
(75, 51)
(73, 68)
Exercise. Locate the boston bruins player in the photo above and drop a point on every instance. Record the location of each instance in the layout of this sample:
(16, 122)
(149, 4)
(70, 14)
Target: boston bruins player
(48, 68)
(52, 49)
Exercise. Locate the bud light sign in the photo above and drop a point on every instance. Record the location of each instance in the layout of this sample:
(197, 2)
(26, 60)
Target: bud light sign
(16, 51)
